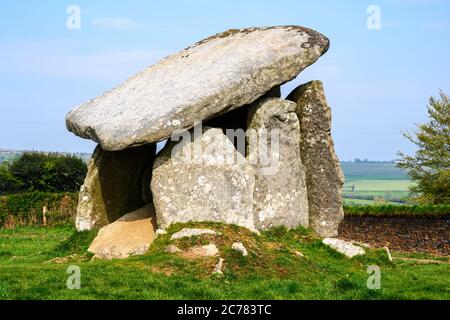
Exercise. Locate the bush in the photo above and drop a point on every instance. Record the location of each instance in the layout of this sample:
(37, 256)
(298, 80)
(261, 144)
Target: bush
(26, 208)
(392, 211)
(7, 181)
(42, 172)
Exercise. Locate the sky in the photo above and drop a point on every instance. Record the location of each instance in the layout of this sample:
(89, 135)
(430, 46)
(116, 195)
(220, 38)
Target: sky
(387, 57)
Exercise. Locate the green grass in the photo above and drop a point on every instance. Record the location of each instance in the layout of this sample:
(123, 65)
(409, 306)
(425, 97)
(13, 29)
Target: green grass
(363, 202)
(363, 192)
(397, 211)
(379, 185)
(365, 182)
(271, 271)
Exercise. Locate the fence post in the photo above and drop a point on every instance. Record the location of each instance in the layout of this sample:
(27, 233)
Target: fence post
(44, 218)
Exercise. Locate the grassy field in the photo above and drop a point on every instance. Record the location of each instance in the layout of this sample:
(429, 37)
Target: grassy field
(29, 270)
(363, 202)
(379, 185)
(369, 181)
(372, 170)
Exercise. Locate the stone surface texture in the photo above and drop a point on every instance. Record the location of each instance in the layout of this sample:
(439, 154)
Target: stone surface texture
(203, 180)
(188, 233)
(346, 248)
(172, 249)
(280, 195)
(218, 267)
(112, 186)
(238, 246)
(130, 235)
(214, 76)
(209, 250)
(324, 177)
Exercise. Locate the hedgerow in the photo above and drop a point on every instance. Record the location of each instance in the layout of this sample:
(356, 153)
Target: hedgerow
(26, 208)
(392, 211)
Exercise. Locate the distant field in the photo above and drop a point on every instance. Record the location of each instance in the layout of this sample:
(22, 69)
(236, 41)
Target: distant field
(367, 181)
(362, 202)
(378, 185)
(372, 170)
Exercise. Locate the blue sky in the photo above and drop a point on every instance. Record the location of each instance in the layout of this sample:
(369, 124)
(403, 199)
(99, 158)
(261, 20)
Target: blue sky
(377, 81)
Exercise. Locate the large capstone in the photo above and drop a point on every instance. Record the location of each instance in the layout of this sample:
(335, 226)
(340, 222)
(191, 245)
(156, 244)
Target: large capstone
(324, 177)
(113, 186)
(280, 196)
(214, 76)
(203, 179)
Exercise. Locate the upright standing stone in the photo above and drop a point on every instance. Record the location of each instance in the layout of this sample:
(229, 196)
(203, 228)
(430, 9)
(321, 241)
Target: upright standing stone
(113, 186)
(192, 181)
(324, 177)
(280, 196)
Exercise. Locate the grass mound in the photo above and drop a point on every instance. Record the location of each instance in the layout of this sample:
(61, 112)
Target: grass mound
(272, 269)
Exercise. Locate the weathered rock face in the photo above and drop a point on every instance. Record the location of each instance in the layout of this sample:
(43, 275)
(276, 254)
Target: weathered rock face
(324, 177)
(280, 196)
(218, 267)
(209, 250)
(344, 247)
(112, 186)
(172, 249)
(192, 181)
(234, 123)
(146, 178)
(132, 234)
(238, 246)
(216, 75)
(188, 233)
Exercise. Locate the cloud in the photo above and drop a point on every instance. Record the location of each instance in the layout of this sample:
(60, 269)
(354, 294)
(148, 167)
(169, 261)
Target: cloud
(116, 23)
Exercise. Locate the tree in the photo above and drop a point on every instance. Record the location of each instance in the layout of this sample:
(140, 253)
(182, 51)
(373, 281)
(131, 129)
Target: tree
(35, 171)
(429, 168)
(8, 183)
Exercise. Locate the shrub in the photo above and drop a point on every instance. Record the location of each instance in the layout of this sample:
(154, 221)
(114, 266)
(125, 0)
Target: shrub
(35, 171)
(7, 181)
(26, 208)
(393, 211)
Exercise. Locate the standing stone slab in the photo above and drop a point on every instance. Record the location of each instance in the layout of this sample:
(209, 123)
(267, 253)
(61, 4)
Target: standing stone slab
(113, 186)
(280, 196)
(213, 76)
(192, 182)
(324, 177)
